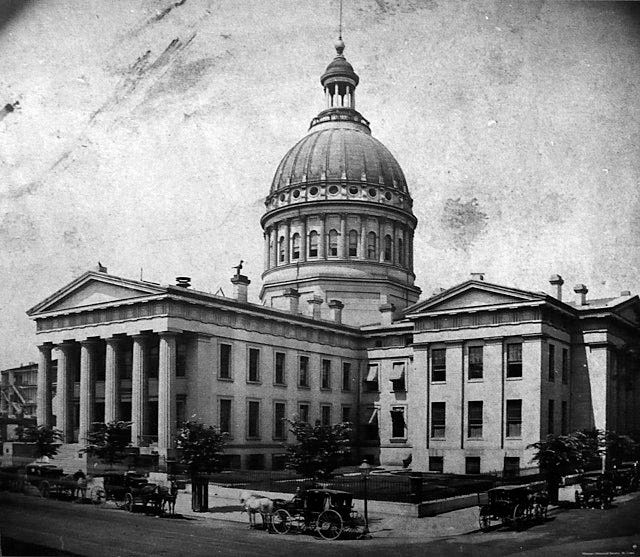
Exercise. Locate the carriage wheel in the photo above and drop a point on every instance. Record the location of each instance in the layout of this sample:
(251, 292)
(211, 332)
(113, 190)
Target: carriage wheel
(541, 511)
(97, 496)
(518, 516)
(329, 525)
(128, 502)
(281, 521)
(45, 489)
(485, 522)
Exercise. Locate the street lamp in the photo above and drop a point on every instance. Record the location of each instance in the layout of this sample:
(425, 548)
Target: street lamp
(365, 469)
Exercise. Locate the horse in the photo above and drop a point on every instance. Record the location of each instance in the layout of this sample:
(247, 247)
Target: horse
(169, 496)
(253, 504)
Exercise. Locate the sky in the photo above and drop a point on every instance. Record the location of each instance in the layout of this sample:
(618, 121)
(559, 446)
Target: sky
(145, 134)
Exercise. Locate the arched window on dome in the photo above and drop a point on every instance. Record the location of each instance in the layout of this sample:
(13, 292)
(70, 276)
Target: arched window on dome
(295, 246)
(332, 250)
(388, 248)
(372, 246)
(400, 252)
(281, 249)
(353, 243)
(313, 244)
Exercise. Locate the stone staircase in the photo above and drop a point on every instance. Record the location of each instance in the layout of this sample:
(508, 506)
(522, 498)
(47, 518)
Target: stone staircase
(68, 459)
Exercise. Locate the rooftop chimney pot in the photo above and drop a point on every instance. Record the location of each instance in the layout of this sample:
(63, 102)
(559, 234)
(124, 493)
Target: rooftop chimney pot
(240, 287)
(581, 292)
(556, 280)
(477, 276)
(336, 307)
(183, 282)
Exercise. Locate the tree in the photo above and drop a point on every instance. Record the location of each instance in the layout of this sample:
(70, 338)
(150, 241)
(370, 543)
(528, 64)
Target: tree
(200, 448)
(319, 450)
(45, 438)
(109, 441)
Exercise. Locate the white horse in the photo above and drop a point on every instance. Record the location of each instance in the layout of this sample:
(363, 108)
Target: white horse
(253, 504)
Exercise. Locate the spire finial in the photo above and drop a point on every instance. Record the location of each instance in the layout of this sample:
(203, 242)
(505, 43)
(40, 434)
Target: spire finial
(340, 43)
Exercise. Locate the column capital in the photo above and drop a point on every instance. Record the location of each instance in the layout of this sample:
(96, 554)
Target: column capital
(113, 341)
(46, 346)
(168, 334)
(89, 342)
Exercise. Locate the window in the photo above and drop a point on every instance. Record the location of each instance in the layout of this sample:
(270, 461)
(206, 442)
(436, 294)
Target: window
(255, 461)
(303, 412)
(438, 419)
(281, 249)
(295, 246)
(398, 425)
(346, 376)
(388, 248)
(325, 414)
(474, 419)
(254, 365)
(436, 464)
(353, 243)
(125, 362)
(511, 467)
(325, 378)
(552, 363)
(397, 376)
(181, 358)
(439, 364)
(279, 378)
(181, 410)
(514, 418)
(225, 361)
(400, 252)
(472, 465)
(253, 419)
(551, 415)
(154, 362)
(475, 362)
(313, 244)
(225, 415)
(333, 243)
(565, 366)
(564, 417)
(371, 380)
(514, 360)
(278, 420)
(303, 372)
(372, 246)
(346, 414)
(370, 429)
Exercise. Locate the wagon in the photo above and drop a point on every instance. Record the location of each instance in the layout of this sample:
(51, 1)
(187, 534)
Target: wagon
(51, 480)
(129, 490)
(513, 506)
(596, 490)
(625, 478)
(327, 512)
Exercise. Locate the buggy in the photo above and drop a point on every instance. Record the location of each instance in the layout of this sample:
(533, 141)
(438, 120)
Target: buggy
(327, 512)
(51, 480)
(129, 490)
(514, 506)
(596, 490)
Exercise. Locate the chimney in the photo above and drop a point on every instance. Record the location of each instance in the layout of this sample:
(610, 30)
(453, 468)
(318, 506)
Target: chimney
(477, 276)
(557, 282)
(183, 282)
(336, 307)
(240, 287)
(386, 313)
(581, 291)
(625, 293)
(294, 299)
(315, 302)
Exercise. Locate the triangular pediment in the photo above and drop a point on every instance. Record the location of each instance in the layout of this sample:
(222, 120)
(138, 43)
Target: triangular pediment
(94, 288)
(474, 294)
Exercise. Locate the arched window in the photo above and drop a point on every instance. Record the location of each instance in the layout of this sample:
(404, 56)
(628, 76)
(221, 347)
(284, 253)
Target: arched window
(313, 244)
(400, 252)
(353, 243)
(372, 246)
(281, 249)
(295, 246)
(388, 247)
(333, 243)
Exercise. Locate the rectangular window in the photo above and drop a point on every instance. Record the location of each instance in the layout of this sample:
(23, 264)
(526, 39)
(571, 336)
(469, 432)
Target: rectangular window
(181, 410)
(325, 414)
(475, 362)
(370, 427)
(353, 243)
(225, 415)
(371, 380)
(346, 414)
(346, 376)
(303, 412)
(254, 365)
(303, 372)
(398, 425)
(552, 363)
(472, 465)
(397, 376)
(511, 467)
(225, 361)
(514, 418)
(279, 423)
(439, 364)
(514, 360)
(279, 377)
(474, 428)
(438, 419)
(436, 464)
(551, 417)
(565, 366)
(253, 421)
(325, 378)
(181, 358)
(564, 418)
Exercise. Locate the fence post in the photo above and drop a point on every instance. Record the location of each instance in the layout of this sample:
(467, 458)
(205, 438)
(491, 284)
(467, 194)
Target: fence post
(415, 487)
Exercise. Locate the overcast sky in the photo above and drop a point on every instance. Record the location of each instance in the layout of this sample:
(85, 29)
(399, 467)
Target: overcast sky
(144, 134)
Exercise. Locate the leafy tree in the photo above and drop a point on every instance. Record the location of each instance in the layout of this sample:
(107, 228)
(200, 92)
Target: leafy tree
(45, 438)
(319, 450)
(108, 441)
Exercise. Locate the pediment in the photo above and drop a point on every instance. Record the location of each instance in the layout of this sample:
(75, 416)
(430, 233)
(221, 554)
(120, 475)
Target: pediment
(94, 288)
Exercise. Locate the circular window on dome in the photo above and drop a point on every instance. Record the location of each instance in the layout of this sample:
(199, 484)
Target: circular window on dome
(353, 190)
(333, 190)
(296, 193)
(313, 191)
(282, 197)
(372, 192)
(388, 196)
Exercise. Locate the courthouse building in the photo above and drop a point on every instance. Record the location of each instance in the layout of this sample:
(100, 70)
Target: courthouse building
(461, 381)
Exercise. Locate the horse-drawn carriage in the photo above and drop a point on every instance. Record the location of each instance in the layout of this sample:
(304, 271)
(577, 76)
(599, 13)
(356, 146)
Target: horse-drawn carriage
(514, 506)
(51, 481)
(625, 477)
(596, 490)
(130, 491)
(327, 512)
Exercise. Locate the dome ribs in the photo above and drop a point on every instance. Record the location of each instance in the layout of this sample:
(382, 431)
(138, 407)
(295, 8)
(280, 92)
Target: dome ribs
(311, 177)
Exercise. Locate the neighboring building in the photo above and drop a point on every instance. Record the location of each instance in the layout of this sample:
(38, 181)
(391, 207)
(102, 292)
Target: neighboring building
(462, 381)
(18, 387)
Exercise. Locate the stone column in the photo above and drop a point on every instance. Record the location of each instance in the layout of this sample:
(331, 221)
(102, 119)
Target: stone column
(381, 231)
(363, 239)
(303, 239)
(287, 241)
(394, 243)
(64, 393)
(343, 244)
(266, 249)
(322, 244)
(111, 381)
(274, 245)
(87, 388)
(166, 395)
(409, 250)
(44, 413)
(138, 389)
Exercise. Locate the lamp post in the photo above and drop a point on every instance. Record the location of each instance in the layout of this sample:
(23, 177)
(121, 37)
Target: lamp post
(365, 469)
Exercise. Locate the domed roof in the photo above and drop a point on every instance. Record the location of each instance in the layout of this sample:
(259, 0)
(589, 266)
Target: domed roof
(339, 153)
